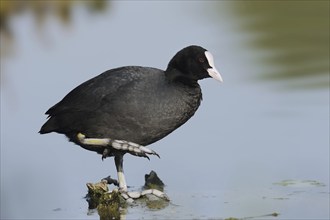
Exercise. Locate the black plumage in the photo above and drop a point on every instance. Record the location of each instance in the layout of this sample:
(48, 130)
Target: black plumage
(133, 103)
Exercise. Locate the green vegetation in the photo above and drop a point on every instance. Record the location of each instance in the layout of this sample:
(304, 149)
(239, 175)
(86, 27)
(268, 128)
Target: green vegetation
(294, 36)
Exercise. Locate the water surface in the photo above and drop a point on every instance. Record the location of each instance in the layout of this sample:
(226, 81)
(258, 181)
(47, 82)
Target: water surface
(255, 147)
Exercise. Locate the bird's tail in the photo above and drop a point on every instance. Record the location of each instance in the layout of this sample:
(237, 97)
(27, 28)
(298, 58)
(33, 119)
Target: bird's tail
(49, 126)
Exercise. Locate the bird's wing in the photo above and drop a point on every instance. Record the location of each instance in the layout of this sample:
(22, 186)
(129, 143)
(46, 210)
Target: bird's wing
(89, 95)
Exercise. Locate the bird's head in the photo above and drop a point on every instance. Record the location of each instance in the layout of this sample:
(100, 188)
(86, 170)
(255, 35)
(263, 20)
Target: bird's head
(191, 64)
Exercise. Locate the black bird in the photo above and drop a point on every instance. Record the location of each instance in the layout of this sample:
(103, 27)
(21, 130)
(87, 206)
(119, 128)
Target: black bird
(124, 109)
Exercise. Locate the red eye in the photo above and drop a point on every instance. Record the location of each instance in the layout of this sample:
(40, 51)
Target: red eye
(201, 59)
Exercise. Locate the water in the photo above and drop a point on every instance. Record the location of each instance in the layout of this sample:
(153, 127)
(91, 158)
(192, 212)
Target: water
(229, 160)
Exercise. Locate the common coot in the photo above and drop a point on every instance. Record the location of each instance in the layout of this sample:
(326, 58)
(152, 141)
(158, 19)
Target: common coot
(124, 109)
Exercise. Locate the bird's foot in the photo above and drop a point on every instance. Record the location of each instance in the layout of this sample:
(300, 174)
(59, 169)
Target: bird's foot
(131, 196)
(120, 145)
(133, 148)
(155, 192)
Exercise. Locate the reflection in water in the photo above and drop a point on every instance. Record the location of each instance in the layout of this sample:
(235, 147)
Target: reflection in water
(41, 9)
(295, 33)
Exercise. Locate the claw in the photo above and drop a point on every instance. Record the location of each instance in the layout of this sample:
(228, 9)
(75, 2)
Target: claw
(105, 153)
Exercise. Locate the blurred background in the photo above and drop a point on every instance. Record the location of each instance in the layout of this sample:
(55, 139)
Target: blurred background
(259, 144)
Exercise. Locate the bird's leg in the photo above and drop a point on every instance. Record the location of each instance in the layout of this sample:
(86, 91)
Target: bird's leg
(121, 145)
(124, 146)
(93, 141)
(120, 172)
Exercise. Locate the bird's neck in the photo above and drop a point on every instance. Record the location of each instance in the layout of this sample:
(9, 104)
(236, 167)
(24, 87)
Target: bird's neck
(176, 76)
